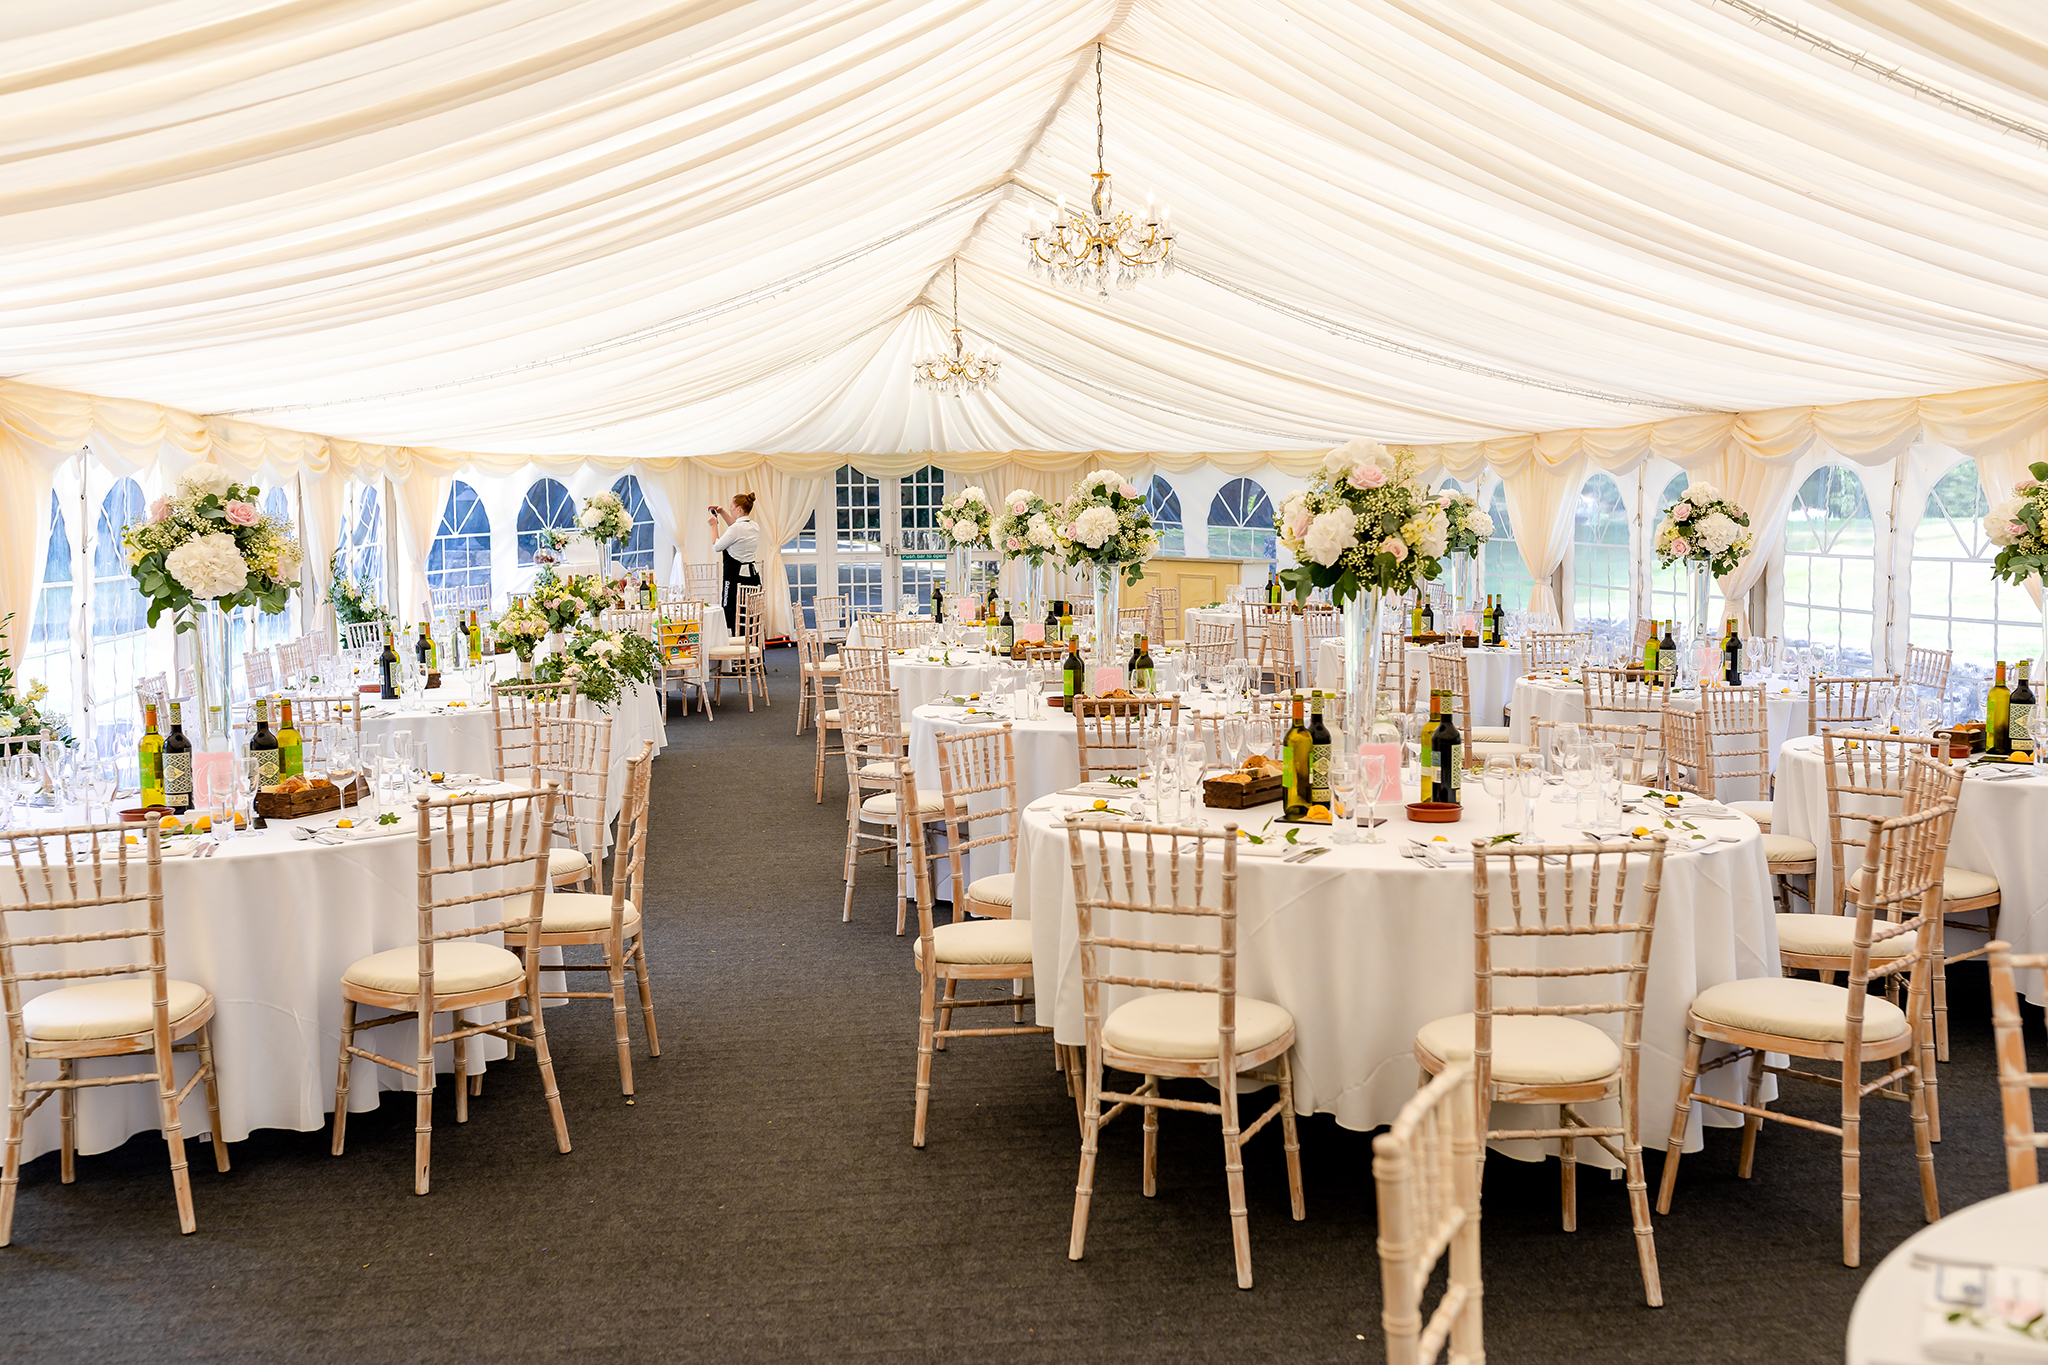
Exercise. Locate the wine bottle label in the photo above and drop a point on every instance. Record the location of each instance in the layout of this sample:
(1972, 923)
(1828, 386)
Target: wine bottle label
(2021, 727)
(267, 762)
(1319, 773)
(178, 780)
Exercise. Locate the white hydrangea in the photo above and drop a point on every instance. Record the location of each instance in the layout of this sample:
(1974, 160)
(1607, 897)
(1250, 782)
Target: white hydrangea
(1040, 533)
(202, 479)
(1104, 480)
(965, 530)
(1330, 535)
(2000, 520)
(1699, 494)
(1716, 532)
(1436, 532)
(208, 566)
(1358, 450)
(1094, 526)
(1479, 523)
(972, 493)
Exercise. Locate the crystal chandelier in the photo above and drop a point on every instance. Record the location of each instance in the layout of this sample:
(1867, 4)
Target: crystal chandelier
(961, 370)
(1082, 248)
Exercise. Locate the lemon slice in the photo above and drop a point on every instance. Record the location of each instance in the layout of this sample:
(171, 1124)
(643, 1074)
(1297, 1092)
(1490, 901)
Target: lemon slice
(1101, 804)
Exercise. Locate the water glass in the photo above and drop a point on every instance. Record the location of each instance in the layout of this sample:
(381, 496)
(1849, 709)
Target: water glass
(221, 780)
(1498, 778)
(1411, 751)
(1578, 779)
(1343, 797)
(1529, 779)
(399, 748)
(1372, 775)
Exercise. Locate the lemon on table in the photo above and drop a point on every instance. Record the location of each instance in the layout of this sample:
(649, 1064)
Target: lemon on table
(203, 825)
(1642, 831)
(1101, 804)
(344, 824)
(170, 823)
(1440, 839)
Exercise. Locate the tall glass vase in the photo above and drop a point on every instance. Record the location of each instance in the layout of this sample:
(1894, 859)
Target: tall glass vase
(604, 562)
(207, 719)
(1106, 576)
(1702, 587)
(1361, 622)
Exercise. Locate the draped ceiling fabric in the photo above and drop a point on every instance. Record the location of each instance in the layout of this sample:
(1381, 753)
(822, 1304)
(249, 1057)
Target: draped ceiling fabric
(496, 235)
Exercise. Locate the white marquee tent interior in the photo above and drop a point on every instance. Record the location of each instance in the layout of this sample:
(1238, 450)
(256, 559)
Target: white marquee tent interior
(1569, 252)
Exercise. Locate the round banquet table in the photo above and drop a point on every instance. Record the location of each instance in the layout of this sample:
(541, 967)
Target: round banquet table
(1489, 671)
(1885, 1328)
(922, 677)
(1363, 947)
(1551, 698)
(1995, 825)
(268, 924)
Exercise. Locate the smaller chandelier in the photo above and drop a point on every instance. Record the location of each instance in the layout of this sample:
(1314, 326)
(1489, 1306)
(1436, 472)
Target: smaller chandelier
(961, 371)
(1080, 248)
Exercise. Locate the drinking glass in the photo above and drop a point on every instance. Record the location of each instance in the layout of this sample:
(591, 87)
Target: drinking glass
(1578, 779)
(1529, 779)
(103, 777)
(1607, 774)
(221, 780)
(399, 748)
(1231, 736)
(1498, 777)
(1563, 750)
(1372, 774)
(1343, 797)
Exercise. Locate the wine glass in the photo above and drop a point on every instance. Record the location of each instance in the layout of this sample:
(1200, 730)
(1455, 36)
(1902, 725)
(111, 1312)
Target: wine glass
(1411, 751)
(399, 748)
(1230, 734)
(1343, 796)
(1498, 777)
(1372, 776)
(102, 779)
(1607, 774)
(1578, 778)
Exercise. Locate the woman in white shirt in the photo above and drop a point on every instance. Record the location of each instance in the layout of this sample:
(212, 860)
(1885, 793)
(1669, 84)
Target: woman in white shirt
(740, 544)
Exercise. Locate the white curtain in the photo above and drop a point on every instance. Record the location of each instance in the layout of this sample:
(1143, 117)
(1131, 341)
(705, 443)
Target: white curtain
(319, 534)
(418, 501)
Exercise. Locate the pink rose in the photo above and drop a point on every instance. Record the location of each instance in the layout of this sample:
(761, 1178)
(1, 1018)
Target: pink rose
(1016, 544)
(1367, 476)
(1681, 511)
(1129, 490)
(2026, 485)
(2015, 528)
(243, 513)
(1017, 508)
(1395, 546)
(1679, 547)
(160, 510)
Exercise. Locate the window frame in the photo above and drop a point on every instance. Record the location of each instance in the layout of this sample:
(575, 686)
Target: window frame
(1241, 525)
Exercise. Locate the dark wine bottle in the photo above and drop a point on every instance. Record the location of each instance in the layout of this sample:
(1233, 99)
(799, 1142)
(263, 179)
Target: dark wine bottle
(423, 648)
(1667, 648)
(1052, 623)
(1006, 632)
(2020, 731)
(1144, 677)
(938, 605)
(387, 668)
(1448, 748)
(1428, 618)
(263, 748)
(1427, 757)
(1319, 754)
(1731, 656)
(177, 764)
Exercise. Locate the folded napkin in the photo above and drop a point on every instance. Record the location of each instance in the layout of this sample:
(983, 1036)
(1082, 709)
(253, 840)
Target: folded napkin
(1108, 789)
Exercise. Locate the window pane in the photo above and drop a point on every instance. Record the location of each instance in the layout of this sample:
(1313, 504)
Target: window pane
(1241, 522)
(460, 556)
(1670, 589)
(1830, 567)
(1600, 554)
(1955, 604)
(858, 502)
(638, 553)
(805, 541)
(49, 638)
(918, 499)
(803, 590)
(861, 585)
(365, 557)
(1505, 574)
(547, 504)
(1164, 505)
(120, 631)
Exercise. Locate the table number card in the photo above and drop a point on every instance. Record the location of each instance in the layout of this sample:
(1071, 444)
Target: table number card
(1390, 785)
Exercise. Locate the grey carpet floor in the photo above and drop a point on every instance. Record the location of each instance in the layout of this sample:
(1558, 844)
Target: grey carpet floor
(762, 1200)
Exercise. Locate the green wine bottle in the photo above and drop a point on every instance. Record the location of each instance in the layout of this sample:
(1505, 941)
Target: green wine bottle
(291, 751)
(1074, 677)
(150, 759)
(1297, 765)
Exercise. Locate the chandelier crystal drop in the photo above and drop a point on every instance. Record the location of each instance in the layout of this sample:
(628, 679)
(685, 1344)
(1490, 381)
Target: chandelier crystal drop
(1088, 247)
(960, 371)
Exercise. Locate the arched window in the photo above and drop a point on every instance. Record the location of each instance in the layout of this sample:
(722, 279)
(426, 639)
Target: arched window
(49, 636)
(1600, 560)
(1955, 604)
(1830, 573)
(638, 552)
(1241, 522)
(460, 556)
(547, 504)
(1505, 573)
(1452, 486)
(1164, 505)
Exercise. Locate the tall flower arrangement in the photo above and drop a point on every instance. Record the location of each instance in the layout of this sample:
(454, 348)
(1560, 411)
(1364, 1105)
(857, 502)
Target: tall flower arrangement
(209, 540)
(520, 630)
(2018, 526)
(1023, 528)
(1704, 528)
(967, 518)
(1364, 522)
(1467, 528)
(354, 601)
(21, 708)
(604, 517)
(1105, 522)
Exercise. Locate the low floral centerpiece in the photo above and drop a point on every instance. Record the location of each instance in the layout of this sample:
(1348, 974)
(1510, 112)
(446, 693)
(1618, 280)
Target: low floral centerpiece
(521, 630)
(602, 663)
(21, 708)
(563, 602)
(967, 518)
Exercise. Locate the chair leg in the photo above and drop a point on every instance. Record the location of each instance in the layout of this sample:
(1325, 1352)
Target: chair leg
(348, 1037)
(1290, 1139)
(423, 1102)
(1084, 1185)
(1233, 1179)
(1752, 1123)
(1151, 1087)
(1639, 1211)
(1568, 1172)
(67, 1124)
(639, 957)
(1688, 1072)
(852, 843)
(1930, 1073)
(615, 968)
(927, 987)
(1930, 1201)
(945, 1014)
(174, 1139)
(1941, 985)
(1852, 1165)
(1017, 1011)
(547, 1070)
(17, 1119)
(220, 1143)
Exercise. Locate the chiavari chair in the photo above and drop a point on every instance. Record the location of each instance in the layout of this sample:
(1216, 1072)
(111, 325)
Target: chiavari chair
(122, 1001)
(1166, 601)
(1543, 651)
(1848, 701)
(1631, 745)
(1108, 732)
(516, 709)
(320, 719)
(1739, 733)
(819, 682)
(449, 971)
(746, 656)
(1684, 765)
(1757, 1016)
(1928, 668)
(701, 582)
(1611, 694)
(1448, 672)
(153, 691)
(829, 611)
(1425, 1170)
(1395, 681)
(2015, 1082)
(1212, 647)
(1530, 1046)
(875, 761)
(576, 756)
(1190, 1021)
(260, 671)
(683, 664)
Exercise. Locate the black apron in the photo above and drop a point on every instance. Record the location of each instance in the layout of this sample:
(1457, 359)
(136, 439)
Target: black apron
(738, 574)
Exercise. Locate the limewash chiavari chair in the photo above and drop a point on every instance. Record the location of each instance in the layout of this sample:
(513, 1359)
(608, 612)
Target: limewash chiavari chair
(188, 683)
(317, 718)
(829, 611)
(1192, 1023)
(1425, 1169)
(1874, 766)
(516, 710)
(290, 659)
(1928, 668)
(1276, 661)
(875, 759)
(1848, 701)
(1546, 650)
(1212, 647)
(576, 756)
(1684, 765)
(1641, 635)
(2015, 1082)
(1317, 625)
(997, 948)
(1638, 766)
(119, 1006)
(747, 652)
(152, 691)
(1253, 619)
(701, 582)
(690, 671)
(1108, 732)
(361, 637)
(1757, 1016)
(610, 918)
(449, 971)
(1538, 1053)
(1395, 681)
(1611, 695)
(1739, 736)
(1448, 672)
(820, 684)
(260, 671)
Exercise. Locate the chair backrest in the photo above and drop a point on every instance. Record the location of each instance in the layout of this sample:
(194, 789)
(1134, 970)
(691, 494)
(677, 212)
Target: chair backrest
(1928, 668)
(864, 666)
(290, 658)
(869, 729)
(636, 620)
(361, 635)
(1212, 647)
(1869, 765)
(1276, 653)
(1396, 683)
(1120, 871)
(260, 670)
(629, 853)
(152, 691)
(701, 582)
(1042, 653)
(829, 611)
(1253, 617)
(1321, 623)
(1580, 892)
(1109, 732)
(315, 718)
(750, 621)
(1611, 694)
(1426, 1171)
(83, 868)
(1545, 649)
(907, 634)
(1848, 701)
(1738, 739)
(1685, 766)
(975, 768)
(1641, 634)
(680, 636)
(576, 755)
(1631, 744)
(1448, 673)
(2014, 1080)
(515, 710)
(505, 836)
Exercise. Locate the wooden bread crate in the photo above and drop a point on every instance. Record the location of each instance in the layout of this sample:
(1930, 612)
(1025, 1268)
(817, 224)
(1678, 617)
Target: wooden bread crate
(311, 801)
(1224, 795)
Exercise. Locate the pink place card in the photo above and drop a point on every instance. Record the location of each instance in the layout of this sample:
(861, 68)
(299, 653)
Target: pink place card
(1032, 631)
(1107, 680)
(1390, 784)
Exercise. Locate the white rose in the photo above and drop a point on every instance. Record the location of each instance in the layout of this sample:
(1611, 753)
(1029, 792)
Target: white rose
(1330, 535)
(8, 724)
(1295, 516)
(1094, 526)
(1103, 479)
(1436, 533)
(1357, 450)
(202, 479)
(208, 566)
(1697, 493)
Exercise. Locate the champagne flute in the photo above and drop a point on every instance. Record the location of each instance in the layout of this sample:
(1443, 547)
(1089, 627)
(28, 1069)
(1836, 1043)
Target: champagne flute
(1372, 774)
(1498, 777)
(1529, 778)
(1230, 734)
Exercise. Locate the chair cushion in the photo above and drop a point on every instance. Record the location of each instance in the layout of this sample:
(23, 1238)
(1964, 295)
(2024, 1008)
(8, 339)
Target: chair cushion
(1830, 935)
(997, 889)
(883, 807)
(728, 651)
(1183, 1023)
(1535, 1049)
(830, 666)
(578, 912)
(1793, 1008)
(832, 716)
(1759, 811)
(1783, 848)
(566, 862)
(460, 965)
(980, 940)
(880, 768)
(105, 1009)
(1957, 883)
(1490, 734)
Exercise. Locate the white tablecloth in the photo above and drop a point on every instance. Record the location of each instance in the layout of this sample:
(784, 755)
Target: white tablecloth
(1489, 671)
(1552, 700)
(268, 925)
(1364, 947)
(1890, 1308)
(1995, 828)
(920, 681)
(1234, 618)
